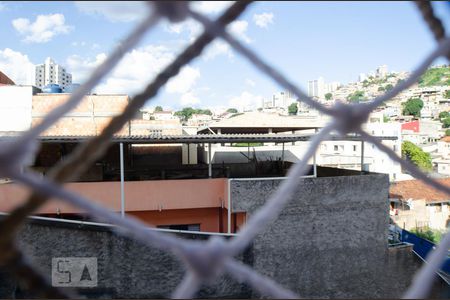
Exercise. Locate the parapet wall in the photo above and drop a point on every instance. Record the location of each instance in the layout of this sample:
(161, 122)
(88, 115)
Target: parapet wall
(329, 242)
(331, 238)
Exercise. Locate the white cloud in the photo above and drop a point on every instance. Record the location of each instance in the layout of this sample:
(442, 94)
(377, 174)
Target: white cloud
(245, 101)
(81, 67)
(123, 11)
(137, 68)
(185, 80)
(189, 99)
(250, 82)
(15, 65)
(239, 30)
(211, 7)
(190, 26)
(43, 29)
(219, 47)
(263, 20)
(216, 48)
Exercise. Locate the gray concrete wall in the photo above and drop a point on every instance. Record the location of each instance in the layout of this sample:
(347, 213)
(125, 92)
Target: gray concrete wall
(330, 238)
(329, 242)
(126, 268)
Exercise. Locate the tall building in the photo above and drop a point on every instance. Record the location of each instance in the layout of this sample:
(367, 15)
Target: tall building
(362, 77)
(283, 99)
(316, 88)
(50, 72)
(332, 86)
(382, 71)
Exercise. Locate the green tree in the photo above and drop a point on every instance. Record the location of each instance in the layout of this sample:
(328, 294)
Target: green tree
(388, 87)
(447, 132)
(203, 112)
(381, 89)
(293, 109)
(186, 113)
(446, 122)
(386, 119)
(416, 155)
(158, 108)
(447, 94)
(444, 114)
(357, 96)
(412, 107)
(328, 96)
(429, 234)
(232, 110)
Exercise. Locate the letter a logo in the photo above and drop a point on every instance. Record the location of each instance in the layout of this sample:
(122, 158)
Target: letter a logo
(85, 275)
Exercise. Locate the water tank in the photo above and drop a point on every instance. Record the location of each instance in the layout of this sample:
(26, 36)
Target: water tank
(71, 88)
(52, 89)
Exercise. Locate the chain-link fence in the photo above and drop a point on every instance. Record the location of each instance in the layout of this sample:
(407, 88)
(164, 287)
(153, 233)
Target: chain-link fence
(205, 261)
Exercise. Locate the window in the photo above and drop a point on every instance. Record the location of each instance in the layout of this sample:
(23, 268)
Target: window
(187, 227)
(335, 148)
(354, 147)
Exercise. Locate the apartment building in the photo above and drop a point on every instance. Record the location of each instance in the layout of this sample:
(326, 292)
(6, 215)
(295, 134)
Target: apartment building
(51, 73)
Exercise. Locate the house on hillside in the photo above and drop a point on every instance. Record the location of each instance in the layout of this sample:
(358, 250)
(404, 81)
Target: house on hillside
(413, 204)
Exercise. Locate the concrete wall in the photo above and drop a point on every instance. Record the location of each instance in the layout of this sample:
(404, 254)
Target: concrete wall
(15, 108)
(151, 195)
(126, 269)
(89, 117)
(331, 238)
(329, 242)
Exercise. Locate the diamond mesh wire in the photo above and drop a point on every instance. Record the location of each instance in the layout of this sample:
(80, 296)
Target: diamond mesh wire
(205, 261)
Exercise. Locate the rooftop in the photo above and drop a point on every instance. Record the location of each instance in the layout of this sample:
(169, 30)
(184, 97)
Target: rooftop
(416, 189)
(260, 122)
(202, 138)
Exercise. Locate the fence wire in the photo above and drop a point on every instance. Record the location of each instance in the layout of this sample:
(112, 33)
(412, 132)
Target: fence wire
(205, 260)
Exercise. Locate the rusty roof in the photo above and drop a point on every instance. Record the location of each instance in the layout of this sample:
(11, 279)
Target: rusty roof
(5, 79)
(416, 189)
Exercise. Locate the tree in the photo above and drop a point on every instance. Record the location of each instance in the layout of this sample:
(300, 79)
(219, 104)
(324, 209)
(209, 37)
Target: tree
(388, 87)
(232, 110)
(293, 109)
(446, 122)
(386, 119)
(328, 96)
(444, 114)
(203, 112)
(357, 96)
(158, 108)
(447, 132)
(447, 94)
(381, 89)
(416, 155)
(185, 114)
(412, 107)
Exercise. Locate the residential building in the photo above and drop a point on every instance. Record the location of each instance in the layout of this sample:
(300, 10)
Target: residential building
(382, 71)
(414, 204)
(316, 88)
(362, 77)
(283, 99)
(49, 72)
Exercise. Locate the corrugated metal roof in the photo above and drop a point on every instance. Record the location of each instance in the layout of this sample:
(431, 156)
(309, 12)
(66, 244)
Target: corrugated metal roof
(202, 138)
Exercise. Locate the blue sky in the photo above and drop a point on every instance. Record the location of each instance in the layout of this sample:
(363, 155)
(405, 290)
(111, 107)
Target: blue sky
(305, 40)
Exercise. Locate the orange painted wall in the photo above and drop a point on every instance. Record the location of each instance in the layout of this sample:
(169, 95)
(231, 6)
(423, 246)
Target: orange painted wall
(139, 195)
(161, 202)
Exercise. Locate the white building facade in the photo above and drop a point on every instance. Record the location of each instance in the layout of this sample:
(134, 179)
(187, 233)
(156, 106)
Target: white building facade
(49, 73)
